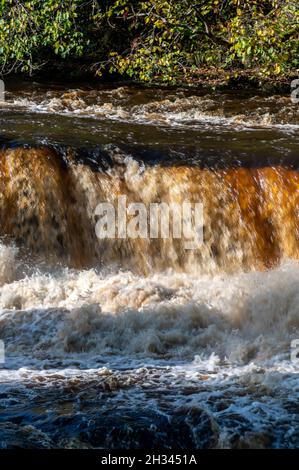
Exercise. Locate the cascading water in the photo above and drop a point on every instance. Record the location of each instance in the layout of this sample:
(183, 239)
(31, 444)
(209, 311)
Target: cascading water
(140, 342)
(48, 205)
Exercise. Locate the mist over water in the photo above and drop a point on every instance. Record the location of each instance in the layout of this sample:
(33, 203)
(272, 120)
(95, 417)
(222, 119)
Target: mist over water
(140, 342)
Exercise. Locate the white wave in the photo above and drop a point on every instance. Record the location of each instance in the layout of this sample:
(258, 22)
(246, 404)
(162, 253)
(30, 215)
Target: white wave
(240, 318)
(117, 104)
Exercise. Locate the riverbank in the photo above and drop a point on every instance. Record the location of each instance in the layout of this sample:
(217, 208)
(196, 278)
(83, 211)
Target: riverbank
(217, 45)
(204, 79)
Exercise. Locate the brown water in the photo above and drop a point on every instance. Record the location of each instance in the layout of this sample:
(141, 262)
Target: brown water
(140, 342)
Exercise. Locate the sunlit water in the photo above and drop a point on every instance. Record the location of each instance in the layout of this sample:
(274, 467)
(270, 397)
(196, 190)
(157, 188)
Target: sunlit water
(133, 343)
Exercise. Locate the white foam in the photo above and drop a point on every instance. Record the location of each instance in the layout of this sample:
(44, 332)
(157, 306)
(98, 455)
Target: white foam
(180, 111)
(239, 318)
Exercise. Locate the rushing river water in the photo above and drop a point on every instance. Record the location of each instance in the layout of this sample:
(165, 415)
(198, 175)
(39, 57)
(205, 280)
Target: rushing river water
(128, 343)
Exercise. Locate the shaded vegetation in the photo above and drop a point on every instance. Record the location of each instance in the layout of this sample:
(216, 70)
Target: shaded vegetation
(152, 41)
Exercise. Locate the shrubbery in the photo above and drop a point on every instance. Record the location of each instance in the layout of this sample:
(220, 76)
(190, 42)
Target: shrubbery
(152, 40)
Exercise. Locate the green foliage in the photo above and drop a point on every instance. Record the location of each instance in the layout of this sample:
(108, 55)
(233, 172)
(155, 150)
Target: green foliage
(155, 40)
(265, 35)
(172, 39)
(31, 31)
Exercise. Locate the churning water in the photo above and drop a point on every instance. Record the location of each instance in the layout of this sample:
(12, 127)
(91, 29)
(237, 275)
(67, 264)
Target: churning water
(136, 342)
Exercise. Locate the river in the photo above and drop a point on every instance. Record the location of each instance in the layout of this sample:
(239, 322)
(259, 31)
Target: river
(134, 342)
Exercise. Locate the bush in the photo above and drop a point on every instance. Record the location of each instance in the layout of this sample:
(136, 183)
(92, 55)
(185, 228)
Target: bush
(155, 40)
